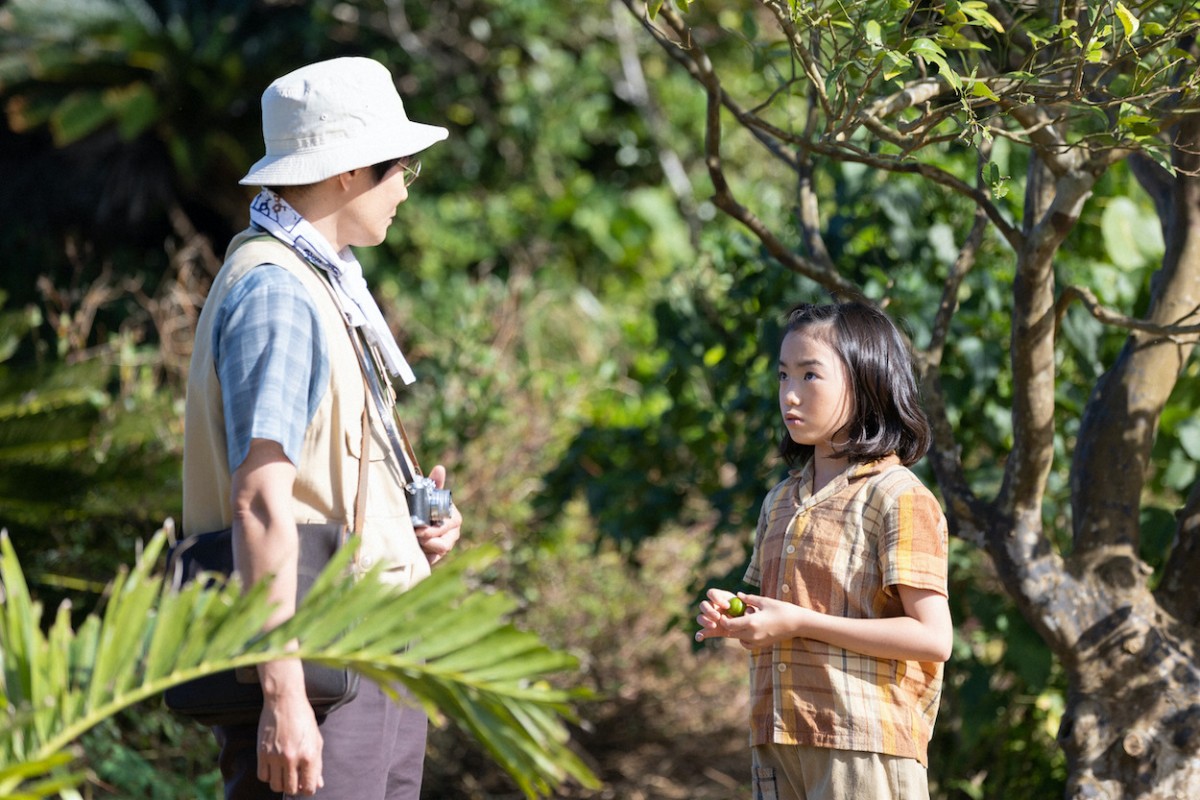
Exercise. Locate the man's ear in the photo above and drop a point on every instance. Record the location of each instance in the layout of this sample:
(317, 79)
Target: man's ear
(347, 179)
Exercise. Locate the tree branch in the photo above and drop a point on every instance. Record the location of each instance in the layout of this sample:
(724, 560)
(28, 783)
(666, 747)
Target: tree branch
(967, 514)
(1053, 207)
(724, 199)
(1120, 422)
(696, 61)
(692, 57)
(1157, 182)
(1118, 320)
(638, 94)
(783, 15)
(808, 216)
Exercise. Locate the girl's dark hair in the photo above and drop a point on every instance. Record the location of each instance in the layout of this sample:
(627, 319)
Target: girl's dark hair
(887, 415)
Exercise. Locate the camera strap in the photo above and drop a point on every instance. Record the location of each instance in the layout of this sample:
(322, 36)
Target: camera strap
(386, 407)
(372, 370)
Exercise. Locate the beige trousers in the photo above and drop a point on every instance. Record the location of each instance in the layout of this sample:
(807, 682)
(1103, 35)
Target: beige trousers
(794, 772)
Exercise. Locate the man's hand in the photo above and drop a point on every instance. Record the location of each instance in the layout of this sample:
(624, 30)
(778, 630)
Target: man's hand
(437, 540)
(289, 741)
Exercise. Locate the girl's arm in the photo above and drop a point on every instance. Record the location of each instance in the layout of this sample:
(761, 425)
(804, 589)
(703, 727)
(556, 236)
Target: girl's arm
(924, 633)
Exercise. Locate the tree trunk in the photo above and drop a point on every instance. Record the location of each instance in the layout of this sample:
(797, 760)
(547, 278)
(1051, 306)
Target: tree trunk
(1132, 726)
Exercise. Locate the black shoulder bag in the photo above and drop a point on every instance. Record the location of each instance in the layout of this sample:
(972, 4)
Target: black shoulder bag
(235, 696)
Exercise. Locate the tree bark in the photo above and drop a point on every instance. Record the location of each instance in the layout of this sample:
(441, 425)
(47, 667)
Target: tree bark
(1132, 727)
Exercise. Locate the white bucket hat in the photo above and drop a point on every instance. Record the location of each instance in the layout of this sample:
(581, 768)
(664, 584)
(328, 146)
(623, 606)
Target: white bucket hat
(331, 117)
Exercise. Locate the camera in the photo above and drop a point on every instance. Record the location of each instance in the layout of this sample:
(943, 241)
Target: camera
(427, 504)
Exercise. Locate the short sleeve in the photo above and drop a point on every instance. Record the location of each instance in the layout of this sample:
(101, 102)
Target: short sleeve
(915, 542)
(753, 574)
(271, 362)
(776, 511)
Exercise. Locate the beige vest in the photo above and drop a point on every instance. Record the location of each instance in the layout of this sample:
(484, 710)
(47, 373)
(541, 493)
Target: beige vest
(327, 476)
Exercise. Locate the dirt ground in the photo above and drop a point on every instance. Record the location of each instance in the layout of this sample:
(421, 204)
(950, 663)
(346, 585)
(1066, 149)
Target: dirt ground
(670, 721)
(631, 751)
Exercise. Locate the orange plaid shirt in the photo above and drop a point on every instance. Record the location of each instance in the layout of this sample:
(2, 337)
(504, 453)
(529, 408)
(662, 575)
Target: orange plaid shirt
(844, 551)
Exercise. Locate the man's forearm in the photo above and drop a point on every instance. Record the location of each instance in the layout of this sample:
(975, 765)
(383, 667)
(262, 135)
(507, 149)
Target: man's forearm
(266, 543)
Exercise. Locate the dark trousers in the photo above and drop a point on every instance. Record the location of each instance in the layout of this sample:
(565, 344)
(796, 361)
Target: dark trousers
(374, 749)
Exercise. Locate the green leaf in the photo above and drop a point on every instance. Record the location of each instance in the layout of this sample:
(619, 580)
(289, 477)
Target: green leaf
(873, 33)
(78, 115)
(1132, 237)
(476, 670)
(1138, 124)
(135, 108)
(930, 51)
(1189, 438)
(900, 64)
(14, 775)
(977, 12)
(981, 89)
(1128, 21)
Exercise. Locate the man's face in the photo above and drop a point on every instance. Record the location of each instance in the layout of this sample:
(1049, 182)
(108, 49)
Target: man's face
(372, 206)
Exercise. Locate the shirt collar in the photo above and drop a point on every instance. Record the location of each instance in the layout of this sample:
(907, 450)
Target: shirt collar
(852, 474)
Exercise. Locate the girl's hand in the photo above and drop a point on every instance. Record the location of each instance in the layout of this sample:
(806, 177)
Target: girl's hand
(766, 621)
(714, 614)
(924, 632)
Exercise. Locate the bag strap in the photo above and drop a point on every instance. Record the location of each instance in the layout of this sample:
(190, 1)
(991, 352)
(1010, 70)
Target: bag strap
(364, 450)
(360, 495)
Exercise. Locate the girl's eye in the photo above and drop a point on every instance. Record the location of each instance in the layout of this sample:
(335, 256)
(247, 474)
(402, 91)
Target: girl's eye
(809, 376)
(782, 376)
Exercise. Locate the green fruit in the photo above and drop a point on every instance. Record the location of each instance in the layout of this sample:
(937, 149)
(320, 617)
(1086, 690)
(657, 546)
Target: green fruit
(736, 607)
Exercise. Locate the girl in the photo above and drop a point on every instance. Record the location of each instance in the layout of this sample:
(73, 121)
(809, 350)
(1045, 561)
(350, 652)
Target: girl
(848, 635)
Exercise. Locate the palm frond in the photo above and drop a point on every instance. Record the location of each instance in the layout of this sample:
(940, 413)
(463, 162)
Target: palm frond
(446, 640)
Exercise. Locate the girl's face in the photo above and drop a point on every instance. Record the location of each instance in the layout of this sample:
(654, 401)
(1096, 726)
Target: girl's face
(815, 395)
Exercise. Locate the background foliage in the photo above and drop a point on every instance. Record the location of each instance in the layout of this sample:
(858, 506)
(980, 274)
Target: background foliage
(594, 345)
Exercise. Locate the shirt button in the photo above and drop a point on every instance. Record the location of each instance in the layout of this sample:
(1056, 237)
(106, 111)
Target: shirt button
(786, 588)
(791, 548)
(781, 667)
(366, 562)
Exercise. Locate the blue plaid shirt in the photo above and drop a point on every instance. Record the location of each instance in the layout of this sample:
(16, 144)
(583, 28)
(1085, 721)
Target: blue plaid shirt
(271, 360)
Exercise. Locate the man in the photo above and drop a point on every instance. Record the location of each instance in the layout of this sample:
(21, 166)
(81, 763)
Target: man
(275, 410)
